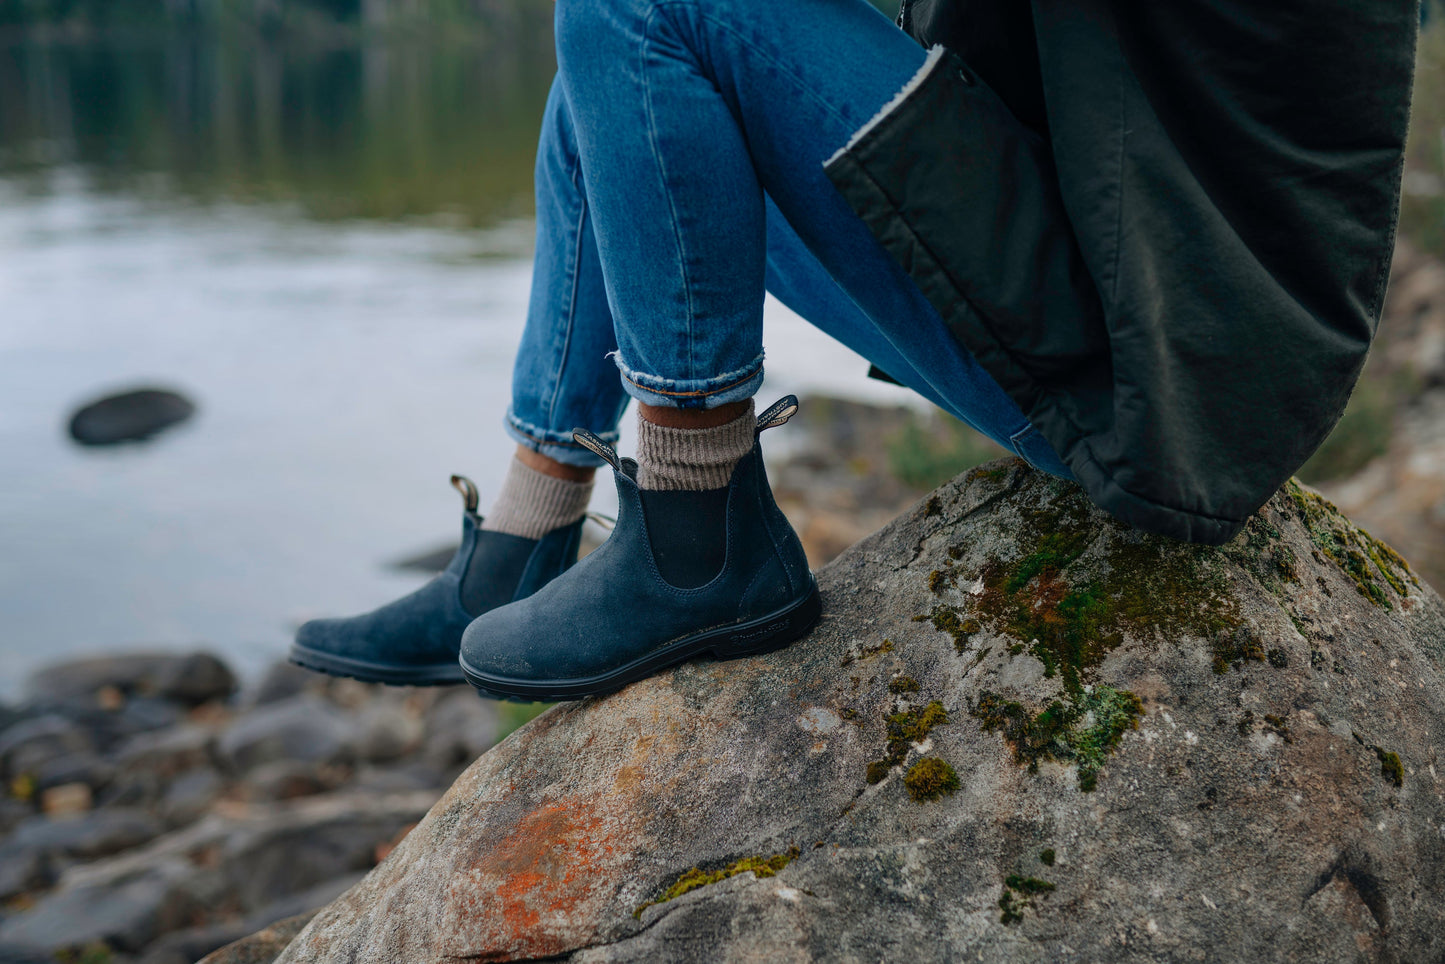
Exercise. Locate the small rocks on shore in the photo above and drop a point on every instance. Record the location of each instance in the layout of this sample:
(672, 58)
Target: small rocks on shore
(152, 811)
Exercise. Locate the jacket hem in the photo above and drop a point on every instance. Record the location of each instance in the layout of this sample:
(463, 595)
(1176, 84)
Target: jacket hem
(930, 64)
(850, 174)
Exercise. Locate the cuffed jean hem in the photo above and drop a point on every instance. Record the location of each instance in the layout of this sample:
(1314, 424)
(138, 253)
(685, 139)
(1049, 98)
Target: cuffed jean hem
(557, 446)
(734, 386)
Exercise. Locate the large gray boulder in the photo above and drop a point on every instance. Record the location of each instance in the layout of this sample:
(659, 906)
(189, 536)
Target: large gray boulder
(1021, 732)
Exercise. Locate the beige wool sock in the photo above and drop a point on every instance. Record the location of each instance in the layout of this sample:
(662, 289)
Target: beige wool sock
(532, 504)
(692, 459)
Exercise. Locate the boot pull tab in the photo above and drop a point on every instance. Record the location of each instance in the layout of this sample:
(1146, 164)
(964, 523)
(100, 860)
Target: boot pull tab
(597, 447)
(468, 490)
(778, 413)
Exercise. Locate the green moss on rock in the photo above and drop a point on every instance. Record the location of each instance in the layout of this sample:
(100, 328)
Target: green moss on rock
(1367, 562)
(695, 878)
(989, 473)
(1235, 649)
(906, 728)
(1390, 766)
(1082, 729)
(868, 652)
(931, 778)
(1081, 581)
(946, 619)
(1019, 893)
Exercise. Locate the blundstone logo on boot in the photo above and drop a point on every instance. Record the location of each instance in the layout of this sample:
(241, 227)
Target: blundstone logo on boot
(767, 630)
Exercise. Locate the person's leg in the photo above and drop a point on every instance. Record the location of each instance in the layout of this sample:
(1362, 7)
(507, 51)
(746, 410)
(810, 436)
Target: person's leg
(562, 380)
(668, 162)
(563, 377)
(685, 113)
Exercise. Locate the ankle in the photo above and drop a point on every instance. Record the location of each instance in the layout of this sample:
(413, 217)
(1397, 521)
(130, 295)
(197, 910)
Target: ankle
(538, 462)
(696, 459)
(692, 418)
(532, 503)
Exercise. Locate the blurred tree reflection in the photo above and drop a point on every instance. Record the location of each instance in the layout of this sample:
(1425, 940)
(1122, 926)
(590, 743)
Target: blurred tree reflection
(374, 126)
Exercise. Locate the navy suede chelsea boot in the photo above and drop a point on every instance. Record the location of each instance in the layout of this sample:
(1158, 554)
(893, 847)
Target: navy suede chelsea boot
(682, 574)
(414, 640)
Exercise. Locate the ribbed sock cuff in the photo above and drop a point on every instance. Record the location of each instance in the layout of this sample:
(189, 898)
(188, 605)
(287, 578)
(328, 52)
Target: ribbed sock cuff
(532, 504)
(692, 459)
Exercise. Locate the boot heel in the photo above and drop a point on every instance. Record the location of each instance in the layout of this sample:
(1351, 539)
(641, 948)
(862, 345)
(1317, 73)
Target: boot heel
(771, 632)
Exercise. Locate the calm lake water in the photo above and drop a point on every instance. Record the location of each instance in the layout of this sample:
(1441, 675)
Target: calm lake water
(328, 249)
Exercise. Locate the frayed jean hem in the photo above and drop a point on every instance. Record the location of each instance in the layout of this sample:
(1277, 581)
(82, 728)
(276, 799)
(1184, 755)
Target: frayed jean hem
(557, 446)
(733, 386)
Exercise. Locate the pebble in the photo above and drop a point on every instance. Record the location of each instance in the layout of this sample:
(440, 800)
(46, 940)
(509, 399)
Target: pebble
(68, 798)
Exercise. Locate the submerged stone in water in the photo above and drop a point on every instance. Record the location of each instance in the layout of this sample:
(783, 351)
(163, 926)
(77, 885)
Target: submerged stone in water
(129, 416)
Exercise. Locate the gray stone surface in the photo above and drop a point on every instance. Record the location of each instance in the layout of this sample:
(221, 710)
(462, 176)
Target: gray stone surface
(84, 767)
(13, 812)
(1235, 757)
(95, 834)
(189, 945)
(303, 727)
(34, 853)
(191, 679)
(251, 861)
(385, 731)
(282, 681)
(261, 947)
(28, 743)
(168, 753)
(190, 795)
(459, 728)
(288, 779)
(127, 913)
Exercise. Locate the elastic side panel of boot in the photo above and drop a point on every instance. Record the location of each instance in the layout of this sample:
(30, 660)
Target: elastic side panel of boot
(494, 571)
(689, 534)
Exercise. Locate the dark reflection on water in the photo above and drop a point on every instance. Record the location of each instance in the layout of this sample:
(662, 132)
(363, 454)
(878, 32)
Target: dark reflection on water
(376, 129)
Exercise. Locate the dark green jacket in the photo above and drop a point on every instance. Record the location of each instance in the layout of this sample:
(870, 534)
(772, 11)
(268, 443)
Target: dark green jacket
(1164, 228)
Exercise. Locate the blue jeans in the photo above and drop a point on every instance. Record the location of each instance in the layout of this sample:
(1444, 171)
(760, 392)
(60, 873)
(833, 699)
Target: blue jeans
(679, 174)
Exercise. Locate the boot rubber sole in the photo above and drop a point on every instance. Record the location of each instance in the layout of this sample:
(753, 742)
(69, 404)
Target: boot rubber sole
(444, 674)
(754, 637)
